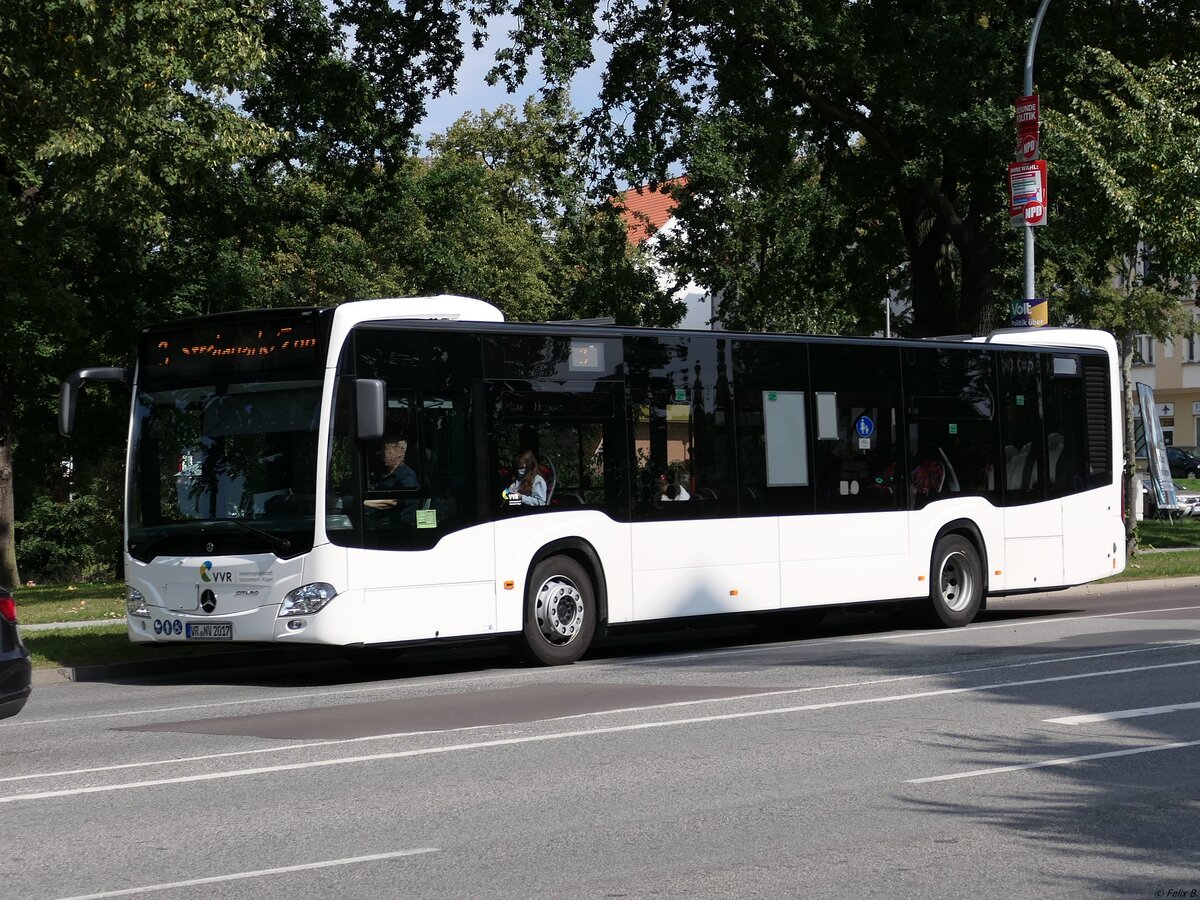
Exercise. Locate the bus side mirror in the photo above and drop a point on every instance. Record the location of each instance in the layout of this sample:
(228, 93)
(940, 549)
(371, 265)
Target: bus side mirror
(371, 405)
(68, 392)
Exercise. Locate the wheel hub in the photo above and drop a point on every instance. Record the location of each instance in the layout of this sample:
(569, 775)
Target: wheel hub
(955, 582)
(559, 610)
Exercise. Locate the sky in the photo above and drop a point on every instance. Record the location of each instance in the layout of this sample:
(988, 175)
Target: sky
(474, 94)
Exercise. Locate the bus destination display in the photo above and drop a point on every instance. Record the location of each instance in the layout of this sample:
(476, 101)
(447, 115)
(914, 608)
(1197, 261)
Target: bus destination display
(235, 344)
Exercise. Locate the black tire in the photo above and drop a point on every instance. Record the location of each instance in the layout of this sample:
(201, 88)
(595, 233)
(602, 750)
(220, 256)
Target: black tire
(560, 612)
(955, 583)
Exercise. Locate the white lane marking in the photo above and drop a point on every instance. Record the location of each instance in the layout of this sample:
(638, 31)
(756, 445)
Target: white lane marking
(260, 873)
(627, 662)
(564, 735)
(1122, 714)
(873, 682)
(1062, 761)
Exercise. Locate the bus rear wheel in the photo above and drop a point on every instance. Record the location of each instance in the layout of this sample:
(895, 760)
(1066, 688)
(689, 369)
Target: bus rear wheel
(560, 612)
(956, 583)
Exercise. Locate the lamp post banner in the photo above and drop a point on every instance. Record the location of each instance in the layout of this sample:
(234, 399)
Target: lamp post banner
(1029, 313)
(1028, 127)
(1027, 193)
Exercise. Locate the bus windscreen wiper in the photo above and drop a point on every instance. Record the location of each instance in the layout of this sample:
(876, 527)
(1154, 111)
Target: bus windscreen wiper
(278, 544)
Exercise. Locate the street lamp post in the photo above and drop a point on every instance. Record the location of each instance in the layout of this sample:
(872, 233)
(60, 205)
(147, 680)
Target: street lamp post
(1029, 241)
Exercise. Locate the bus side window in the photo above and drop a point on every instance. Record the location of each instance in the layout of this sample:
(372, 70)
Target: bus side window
(953, 429)
(576, 437)
(680, 413)
(1021, 429)
(857, 461)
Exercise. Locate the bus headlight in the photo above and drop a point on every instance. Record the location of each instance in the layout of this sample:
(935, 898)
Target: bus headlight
(307, 599)
(135, 603)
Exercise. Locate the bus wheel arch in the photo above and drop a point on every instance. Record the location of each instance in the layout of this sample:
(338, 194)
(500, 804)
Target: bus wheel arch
(562, 604)
(958, 581)
(585, 554)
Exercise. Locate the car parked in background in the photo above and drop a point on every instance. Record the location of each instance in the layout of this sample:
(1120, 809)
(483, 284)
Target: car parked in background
(16, 672)
(1187, 502)
(1183, 463)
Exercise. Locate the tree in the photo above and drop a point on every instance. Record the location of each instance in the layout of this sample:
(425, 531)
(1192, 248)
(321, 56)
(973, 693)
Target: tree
(104, 110)
(1128, 150)
(780, 237)
(921, 91)
(530, 171)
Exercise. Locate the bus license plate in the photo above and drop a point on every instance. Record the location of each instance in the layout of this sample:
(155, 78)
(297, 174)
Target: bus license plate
(210, 631)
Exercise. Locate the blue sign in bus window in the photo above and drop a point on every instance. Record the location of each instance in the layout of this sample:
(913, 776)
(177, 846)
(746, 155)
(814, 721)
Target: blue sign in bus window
(864, 426)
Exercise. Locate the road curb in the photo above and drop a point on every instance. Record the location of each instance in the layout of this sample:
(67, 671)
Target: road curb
(49, 677)
(212, 664)
(1128, 587)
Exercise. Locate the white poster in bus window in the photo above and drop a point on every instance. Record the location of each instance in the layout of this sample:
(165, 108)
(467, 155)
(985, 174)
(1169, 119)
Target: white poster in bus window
(787, 438)
(827, 429)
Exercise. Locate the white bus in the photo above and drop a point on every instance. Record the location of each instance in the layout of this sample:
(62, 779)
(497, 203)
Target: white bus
(349, 476)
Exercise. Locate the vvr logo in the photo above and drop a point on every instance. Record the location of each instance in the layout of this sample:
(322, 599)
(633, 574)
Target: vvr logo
(206, 569)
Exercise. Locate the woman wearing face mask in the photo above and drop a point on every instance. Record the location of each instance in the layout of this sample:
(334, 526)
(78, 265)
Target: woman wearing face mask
(528, 487)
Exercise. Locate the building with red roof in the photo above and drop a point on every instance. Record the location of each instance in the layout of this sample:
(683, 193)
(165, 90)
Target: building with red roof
(648, 212)
(647, 209)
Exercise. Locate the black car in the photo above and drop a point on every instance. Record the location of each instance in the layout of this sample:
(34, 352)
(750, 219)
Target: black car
(16, 673)
(1183, 463)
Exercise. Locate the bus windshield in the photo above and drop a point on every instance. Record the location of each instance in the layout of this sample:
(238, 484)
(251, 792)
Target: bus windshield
(224, 468)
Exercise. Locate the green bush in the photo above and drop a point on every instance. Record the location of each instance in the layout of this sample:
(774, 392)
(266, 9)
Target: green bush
(68, 542)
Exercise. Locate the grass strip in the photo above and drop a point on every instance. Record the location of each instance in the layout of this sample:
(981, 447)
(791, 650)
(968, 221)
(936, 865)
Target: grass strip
(47, 603)
(1144, 566)
(1168, 534)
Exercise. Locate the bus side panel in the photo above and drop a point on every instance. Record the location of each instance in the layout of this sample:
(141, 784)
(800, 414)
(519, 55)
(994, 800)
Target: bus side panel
(845, 558)
(702, 566)
(520, 536)
(927, 522)
(1033, 547)
(1093, 535)
(445, 591)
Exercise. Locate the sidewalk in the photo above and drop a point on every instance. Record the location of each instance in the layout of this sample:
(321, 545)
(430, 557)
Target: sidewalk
(247, 657)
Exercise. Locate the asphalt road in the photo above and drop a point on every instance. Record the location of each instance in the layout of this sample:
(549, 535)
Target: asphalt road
(1050, 750)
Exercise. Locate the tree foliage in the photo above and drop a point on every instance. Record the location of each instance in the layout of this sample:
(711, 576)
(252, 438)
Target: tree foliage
(1128, 147)
(907, 104)
(137, 191)
(106, 110)
(779, 237)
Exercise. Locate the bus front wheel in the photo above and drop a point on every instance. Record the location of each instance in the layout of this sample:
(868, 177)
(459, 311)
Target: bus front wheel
(956, 583)
(560, 612)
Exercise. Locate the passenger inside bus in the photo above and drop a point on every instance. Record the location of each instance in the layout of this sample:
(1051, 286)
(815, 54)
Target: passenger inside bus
(528, 487)
(668, 490)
